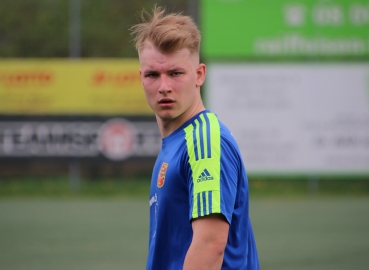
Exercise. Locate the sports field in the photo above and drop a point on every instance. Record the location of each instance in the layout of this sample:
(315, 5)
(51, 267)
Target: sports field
(310, 232)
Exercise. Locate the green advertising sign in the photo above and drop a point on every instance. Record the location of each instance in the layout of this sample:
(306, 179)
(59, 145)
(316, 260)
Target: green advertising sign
(285, 28)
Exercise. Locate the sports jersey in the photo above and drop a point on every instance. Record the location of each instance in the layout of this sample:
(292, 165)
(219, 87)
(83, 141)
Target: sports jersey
(199, 171)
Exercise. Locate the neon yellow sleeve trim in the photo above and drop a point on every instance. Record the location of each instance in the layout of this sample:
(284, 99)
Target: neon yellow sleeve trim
(205, 163)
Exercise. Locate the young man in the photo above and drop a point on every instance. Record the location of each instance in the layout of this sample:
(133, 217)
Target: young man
(199, 204)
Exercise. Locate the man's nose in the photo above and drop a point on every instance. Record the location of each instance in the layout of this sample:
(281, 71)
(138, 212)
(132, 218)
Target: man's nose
(164, 84)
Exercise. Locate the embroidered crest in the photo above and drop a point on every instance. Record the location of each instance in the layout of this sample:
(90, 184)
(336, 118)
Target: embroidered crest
(162, 173)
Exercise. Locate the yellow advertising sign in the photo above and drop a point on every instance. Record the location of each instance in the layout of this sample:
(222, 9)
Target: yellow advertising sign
(59, 87)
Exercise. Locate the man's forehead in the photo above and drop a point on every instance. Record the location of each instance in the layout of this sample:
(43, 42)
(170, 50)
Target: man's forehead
(153, 58)
(163, 68)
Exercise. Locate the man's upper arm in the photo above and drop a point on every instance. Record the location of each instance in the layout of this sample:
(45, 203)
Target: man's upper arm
(211, 230)
(210, 235)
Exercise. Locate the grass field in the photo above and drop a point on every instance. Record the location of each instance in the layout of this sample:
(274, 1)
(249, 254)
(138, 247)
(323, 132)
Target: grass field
(304, 232)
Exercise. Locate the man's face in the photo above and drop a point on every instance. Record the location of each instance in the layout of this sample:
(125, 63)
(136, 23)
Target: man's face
(171, 82)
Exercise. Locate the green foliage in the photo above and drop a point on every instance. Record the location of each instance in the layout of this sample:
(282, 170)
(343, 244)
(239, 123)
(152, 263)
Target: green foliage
(40, 28)
(59, 187)
(33, 28)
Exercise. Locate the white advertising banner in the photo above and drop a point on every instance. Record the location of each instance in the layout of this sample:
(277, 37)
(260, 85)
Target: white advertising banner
(295, 118)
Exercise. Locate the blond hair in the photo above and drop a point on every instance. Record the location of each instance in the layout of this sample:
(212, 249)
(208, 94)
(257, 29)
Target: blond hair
(167, 32)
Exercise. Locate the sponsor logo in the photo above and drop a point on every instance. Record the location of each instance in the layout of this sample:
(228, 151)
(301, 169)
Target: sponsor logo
(162, 173)
(204, 176)
(26, 78)
(117, 79)
(117, 139)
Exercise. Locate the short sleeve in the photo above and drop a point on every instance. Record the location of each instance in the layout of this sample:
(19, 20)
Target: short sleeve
(213, 168)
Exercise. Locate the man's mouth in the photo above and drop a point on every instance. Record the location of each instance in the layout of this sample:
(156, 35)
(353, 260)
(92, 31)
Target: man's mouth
(166, 101)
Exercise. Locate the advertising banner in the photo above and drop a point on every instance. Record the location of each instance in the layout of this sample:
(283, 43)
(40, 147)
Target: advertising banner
(113, 139)
(295, 118)
(285, 28)
(71, 87)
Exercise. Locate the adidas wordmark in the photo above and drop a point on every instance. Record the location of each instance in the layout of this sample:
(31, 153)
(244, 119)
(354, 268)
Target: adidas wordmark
(205, 176)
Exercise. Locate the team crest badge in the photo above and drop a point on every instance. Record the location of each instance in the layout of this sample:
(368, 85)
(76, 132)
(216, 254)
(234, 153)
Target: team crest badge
(162, 173)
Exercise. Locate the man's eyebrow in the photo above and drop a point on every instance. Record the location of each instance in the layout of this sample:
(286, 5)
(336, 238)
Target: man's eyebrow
(172, 69)
(149, 71)
(176, 69)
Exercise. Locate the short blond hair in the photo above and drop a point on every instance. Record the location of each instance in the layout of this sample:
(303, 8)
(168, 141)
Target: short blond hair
(167, 32)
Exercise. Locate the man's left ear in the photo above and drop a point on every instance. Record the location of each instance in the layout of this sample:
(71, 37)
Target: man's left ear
(201, 73)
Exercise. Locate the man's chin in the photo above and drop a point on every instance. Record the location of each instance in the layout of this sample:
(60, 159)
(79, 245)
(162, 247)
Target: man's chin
(165, 117)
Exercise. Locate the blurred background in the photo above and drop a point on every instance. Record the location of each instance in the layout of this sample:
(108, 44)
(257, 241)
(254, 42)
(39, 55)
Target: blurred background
(78, 142)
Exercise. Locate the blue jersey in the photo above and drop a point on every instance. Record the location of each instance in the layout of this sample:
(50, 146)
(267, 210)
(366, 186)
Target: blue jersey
(199, 171)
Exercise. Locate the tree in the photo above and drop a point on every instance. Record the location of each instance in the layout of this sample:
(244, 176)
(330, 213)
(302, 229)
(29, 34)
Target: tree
(40, 28)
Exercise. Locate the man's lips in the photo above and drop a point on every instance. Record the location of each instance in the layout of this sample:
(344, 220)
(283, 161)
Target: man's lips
(166, 101)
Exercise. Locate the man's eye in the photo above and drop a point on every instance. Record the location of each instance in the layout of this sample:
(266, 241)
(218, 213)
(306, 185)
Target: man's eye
(175, 73)
(151, 75)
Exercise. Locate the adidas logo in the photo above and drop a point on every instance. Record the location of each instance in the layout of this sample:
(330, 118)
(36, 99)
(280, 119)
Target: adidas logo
(204, 176)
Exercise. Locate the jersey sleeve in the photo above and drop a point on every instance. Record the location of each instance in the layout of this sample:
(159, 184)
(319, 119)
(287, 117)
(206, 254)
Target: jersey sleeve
(213, 169)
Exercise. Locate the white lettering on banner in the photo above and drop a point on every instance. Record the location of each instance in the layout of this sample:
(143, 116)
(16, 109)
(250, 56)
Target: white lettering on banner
(299, 45)
(48, 138)
(296, 118)
(295, 14)
(320, 17)
(359, 14)
(326, 14)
